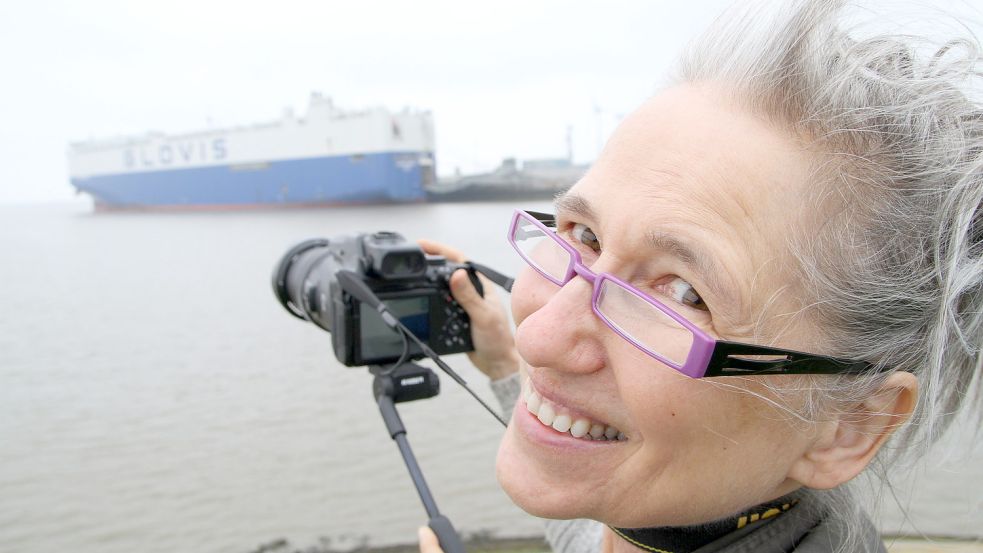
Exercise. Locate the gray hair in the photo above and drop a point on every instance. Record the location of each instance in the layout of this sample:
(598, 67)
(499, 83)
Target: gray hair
(891, 268)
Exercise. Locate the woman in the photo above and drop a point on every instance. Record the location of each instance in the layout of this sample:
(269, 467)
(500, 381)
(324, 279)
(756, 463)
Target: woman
(794, 190)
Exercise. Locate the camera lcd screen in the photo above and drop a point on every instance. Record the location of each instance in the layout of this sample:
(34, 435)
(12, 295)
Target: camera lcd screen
(381, 342)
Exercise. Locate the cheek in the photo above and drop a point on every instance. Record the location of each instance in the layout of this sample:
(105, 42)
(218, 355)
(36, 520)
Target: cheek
(711, 430)
(755, 441)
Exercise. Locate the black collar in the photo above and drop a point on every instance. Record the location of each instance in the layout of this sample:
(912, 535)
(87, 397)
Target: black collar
(686, 539)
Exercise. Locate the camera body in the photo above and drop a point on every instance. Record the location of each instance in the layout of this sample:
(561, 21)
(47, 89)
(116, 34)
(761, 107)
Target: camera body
(413, 286)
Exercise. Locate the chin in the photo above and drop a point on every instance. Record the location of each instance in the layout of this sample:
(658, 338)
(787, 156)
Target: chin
(534, 488)
(548, 491)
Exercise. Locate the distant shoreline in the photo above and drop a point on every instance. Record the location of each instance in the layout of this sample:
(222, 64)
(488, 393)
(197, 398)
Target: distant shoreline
(481, 544)
(473, 544)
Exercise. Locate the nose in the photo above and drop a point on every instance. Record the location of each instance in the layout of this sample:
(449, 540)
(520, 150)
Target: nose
(556, 327)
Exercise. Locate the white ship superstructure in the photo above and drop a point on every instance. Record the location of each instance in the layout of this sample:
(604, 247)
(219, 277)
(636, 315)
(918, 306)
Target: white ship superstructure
(327, 156)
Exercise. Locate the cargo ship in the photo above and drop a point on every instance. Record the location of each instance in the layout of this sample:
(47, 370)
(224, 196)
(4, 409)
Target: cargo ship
(513, 180)
(327, 156)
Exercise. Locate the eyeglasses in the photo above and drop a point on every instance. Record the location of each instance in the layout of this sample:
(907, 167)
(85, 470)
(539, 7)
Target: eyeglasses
(652, 326)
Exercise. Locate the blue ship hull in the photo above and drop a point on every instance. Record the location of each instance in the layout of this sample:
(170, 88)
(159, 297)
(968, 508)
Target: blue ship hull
(369, 178)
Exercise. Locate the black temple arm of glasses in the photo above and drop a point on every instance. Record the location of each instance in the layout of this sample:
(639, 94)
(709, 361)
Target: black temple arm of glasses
(731, 359)
(548, 219)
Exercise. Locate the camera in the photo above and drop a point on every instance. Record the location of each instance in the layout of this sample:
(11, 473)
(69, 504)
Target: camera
(413, 286)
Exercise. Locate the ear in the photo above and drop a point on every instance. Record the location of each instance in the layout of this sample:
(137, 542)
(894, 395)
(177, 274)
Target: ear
(846, 445)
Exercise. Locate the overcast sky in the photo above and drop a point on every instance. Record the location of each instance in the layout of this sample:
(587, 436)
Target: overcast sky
(502, 78)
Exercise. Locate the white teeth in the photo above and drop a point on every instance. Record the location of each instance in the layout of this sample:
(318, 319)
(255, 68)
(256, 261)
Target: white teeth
(546, 414)
(579, 428)
(561, 423)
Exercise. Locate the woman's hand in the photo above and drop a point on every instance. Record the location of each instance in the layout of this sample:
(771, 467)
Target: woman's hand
(428, 541)
(494, 348)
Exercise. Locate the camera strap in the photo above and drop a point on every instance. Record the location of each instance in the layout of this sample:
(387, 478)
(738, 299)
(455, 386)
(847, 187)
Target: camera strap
(491, 274)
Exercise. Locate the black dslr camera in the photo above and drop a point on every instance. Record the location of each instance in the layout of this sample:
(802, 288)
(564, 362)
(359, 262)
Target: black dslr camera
(413, 286)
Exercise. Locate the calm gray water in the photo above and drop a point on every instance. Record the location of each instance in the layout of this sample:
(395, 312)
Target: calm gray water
(155, 397)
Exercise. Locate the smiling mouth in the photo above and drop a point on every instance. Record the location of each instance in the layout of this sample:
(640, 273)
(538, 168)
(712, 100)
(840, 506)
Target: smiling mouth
(556, 417)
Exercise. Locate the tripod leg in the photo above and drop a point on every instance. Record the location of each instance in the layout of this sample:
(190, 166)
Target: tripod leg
(450, 542)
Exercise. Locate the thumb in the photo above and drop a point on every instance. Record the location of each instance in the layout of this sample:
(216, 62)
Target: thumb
(464, 291)
(428, 540)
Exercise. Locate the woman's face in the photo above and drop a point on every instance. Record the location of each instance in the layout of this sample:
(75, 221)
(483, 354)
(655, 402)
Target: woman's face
(691, 202)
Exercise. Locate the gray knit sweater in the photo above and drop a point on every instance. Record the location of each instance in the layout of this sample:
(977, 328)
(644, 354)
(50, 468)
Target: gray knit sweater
(804, 529)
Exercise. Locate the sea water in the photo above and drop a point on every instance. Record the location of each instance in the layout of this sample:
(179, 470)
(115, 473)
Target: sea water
(155, 397)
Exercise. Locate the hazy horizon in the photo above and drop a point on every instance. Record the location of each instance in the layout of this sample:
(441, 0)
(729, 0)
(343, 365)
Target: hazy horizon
(502, 80)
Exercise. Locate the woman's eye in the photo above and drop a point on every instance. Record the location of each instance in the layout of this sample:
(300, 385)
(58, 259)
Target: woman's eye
(584, 235)
(684, 293)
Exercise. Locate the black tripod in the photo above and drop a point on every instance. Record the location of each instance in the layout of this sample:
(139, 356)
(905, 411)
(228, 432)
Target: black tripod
(407, 382)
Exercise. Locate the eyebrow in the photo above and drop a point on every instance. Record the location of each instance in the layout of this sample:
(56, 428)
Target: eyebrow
(572, 203)
(702, 264)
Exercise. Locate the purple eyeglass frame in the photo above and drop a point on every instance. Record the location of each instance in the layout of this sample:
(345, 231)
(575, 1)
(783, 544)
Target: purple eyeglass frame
(707, 357)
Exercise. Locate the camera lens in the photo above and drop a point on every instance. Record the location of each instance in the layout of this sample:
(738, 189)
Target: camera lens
(290, 272)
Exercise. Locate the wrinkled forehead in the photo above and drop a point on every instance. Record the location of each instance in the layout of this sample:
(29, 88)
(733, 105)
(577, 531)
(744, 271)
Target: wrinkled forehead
(730, 185)
(690, 140)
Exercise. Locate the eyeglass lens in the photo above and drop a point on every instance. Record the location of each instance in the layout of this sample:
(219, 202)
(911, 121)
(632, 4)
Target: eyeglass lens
(623, 309)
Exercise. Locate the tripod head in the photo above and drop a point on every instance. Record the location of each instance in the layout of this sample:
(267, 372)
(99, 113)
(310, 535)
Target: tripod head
(404, 382)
